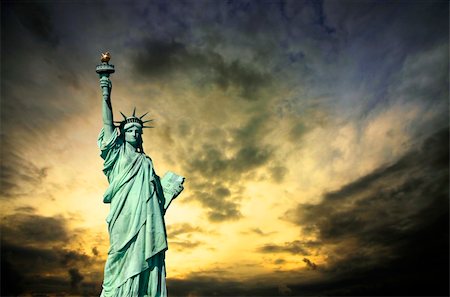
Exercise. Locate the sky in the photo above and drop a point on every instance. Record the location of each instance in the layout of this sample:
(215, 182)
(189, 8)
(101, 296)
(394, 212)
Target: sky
(313, 136)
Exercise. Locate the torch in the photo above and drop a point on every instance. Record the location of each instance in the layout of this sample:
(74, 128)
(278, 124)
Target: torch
(104, 70)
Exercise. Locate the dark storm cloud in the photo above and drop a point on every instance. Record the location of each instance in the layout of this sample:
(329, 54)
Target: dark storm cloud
(220, 171)
(38, 243)
(12, 279)
(75, 278)
(220, 208)
(297, 42)
(250, 157)
(39, 261)
(45, 286)
(377, 40)
(310, 264)
(354, 59)
(217, 286)
(159, 58)
(384, 192)
(30, 228)
(41, 70)
(43, 259)
(295, 247)
(236, 74)
(19, 176)
(382, 234)
(35, 17)
(388, 222)
(31, 237)
(212, 161)
(71, 258)
(415, 25)
(216, 283)
(249, 152)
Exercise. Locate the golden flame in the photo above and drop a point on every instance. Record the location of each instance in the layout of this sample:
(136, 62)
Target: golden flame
(106, 57)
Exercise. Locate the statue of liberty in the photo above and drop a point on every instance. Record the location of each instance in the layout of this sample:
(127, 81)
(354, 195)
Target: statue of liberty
(138, 201)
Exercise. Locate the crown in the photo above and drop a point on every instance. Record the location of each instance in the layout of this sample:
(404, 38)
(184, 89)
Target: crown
(133, 119)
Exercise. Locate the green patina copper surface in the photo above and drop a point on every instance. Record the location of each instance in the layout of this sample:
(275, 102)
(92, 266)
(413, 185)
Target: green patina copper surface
(138, 201)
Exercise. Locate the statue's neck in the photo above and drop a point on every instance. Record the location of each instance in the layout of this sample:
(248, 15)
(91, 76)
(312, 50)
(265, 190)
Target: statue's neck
(130, 148)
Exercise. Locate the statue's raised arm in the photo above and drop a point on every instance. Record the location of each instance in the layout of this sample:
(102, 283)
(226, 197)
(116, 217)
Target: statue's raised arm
(104, 70)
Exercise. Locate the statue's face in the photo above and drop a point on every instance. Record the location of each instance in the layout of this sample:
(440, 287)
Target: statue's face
(133, 135)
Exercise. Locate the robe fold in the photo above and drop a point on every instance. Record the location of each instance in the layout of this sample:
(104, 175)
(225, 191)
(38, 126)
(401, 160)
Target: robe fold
(135, 265)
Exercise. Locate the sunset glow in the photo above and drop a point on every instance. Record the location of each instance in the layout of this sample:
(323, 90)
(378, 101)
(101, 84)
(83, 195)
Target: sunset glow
(313, 136)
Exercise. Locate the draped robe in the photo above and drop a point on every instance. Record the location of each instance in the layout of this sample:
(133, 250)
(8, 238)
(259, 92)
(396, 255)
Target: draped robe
(135, 265)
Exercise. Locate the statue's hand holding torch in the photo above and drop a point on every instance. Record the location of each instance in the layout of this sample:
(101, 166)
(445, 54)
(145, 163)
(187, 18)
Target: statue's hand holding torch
(104, 70)
(106, 85)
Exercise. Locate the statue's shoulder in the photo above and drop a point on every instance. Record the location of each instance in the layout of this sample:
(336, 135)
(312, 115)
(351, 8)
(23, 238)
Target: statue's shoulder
(149, 160)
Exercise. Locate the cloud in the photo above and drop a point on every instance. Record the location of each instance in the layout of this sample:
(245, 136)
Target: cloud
(220, 207)
(328, 63)
(75, 278)
(18, 176)
(217, 169)
(183, 245)
(40, 244)
(279, 261)
(72, 258)
(221, 283)
(160, 59)
(310, 264)
(37, 19)
(284, 289)
(12, 279)
(215, 286)
(33, 229)
(277, 173)
(199, 286)
(180, 236)
(212, 161)
(295, 247)
(415, 26)
(258, 231)
(46, 268)
(182, 229)
(384, 222)
(95, 251)
(26, 209)
(358, 69)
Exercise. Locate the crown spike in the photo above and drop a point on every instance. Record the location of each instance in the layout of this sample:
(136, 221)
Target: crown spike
(134, 119)
(143, 115)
